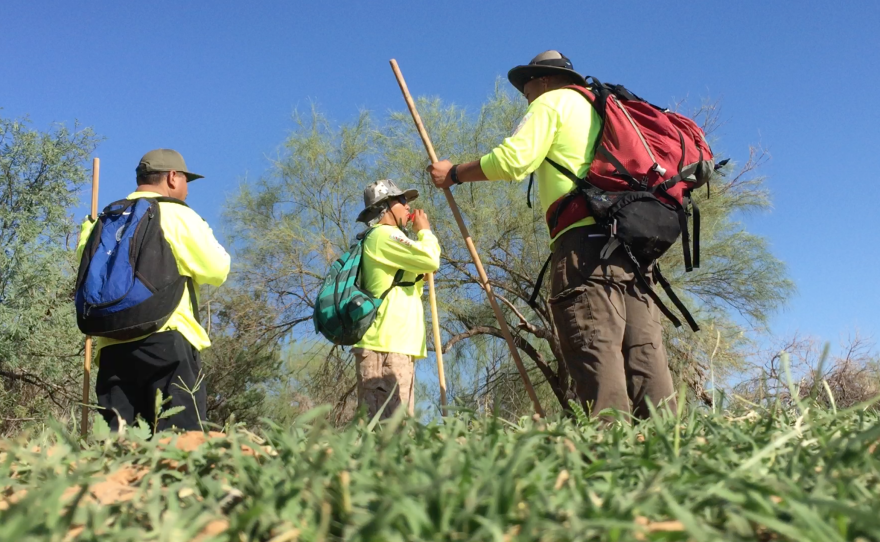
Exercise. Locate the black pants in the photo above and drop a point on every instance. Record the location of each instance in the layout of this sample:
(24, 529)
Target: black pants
(130, 373)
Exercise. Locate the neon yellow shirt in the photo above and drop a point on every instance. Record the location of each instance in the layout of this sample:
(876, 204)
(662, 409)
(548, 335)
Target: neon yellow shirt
(198, 255)
(561, 125)
(399, 326)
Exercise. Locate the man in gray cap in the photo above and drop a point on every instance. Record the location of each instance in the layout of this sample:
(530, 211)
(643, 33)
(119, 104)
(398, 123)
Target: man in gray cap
(608, 326)
(386, 354)
(130, 372)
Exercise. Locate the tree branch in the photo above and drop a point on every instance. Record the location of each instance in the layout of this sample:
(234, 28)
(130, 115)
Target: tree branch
(525, 346)
(525, 325)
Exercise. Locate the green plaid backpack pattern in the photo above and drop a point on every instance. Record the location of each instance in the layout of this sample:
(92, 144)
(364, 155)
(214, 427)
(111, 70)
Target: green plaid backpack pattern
(344, 311)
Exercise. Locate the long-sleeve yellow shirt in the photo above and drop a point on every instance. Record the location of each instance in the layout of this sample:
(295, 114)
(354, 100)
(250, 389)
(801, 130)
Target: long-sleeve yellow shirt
(561, 125)
(199, 255)
(399, 326)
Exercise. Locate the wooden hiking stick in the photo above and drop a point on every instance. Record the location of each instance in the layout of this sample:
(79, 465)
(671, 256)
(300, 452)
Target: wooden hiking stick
(438, 343)
(502, 323)
(87, 362)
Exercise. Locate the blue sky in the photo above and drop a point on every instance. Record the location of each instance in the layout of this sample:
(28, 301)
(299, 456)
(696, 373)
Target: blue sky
(219, 81)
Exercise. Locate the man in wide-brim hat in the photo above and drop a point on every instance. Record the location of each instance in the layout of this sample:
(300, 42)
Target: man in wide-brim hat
(393, 263)
(608, 327)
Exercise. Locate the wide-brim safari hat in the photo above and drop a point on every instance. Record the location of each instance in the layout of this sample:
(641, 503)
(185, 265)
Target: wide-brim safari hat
(379, 191)
(547, 63)
(162, 160)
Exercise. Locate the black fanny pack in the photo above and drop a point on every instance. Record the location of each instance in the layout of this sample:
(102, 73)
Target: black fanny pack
(645, 227)
(639, 220)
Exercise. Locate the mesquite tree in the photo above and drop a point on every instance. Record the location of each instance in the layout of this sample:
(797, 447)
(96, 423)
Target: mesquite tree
(291, 224)
(41, 175)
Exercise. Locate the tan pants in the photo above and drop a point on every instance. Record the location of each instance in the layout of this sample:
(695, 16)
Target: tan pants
(608, 327)
(377, 375)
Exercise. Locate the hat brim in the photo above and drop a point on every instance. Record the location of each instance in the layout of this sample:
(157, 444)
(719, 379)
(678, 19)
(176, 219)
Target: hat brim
(521, 75)
(189, 176)
(364, 216)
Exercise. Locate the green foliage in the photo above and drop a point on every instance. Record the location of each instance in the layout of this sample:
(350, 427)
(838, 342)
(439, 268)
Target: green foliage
(182, 386)
(313, 373)
(244, 358)
(806, 474)
(580, 415)
(41, 177)
(141, 430)
(161, 413)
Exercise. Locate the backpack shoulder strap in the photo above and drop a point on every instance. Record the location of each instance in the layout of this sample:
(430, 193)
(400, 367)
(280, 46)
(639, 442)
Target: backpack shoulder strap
(411, 283)
(660, 279)
(398, 276)
(674, 298)
(588, 93)
(190, 283)
(597, 94)
(581, 183)
(394, 283)
(540, 280)
(597, 100)
(360, 239)
(166, 199)
(529, 190)
(565, 171)
(191, 286)
(117, 207)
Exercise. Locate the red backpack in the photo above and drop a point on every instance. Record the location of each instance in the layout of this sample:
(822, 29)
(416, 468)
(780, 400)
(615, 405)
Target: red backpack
(646, 162)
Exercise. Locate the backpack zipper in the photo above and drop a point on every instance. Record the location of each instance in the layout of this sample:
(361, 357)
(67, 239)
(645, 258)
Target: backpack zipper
(149, 216)
(656, 167)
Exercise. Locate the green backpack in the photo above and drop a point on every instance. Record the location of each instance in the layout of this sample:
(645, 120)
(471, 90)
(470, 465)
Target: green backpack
(344, 311)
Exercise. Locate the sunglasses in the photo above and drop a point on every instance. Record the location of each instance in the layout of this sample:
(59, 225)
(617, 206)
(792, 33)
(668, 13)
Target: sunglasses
(529, 80)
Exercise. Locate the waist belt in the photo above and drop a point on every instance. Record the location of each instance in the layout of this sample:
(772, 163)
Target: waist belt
(565, 211)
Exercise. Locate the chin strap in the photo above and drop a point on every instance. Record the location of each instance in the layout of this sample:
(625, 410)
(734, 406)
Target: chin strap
(401, 225)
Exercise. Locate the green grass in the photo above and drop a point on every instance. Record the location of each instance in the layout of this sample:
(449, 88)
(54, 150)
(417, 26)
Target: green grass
(763, 475)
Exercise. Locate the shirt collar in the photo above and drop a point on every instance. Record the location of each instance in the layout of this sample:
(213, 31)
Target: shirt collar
(143, 194)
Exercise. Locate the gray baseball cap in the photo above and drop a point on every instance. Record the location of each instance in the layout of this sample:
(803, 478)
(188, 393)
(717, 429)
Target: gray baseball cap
(160, 160)
(378, 191)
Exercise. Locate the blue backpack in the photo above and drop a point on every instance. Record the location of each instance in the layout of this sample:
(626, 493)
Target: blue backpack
(128, 284)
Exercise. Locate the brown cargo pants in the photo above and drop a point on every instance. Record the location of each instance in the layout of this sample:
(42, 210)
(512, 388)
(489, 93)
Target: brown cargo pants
(377, 375)
(608, 327)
